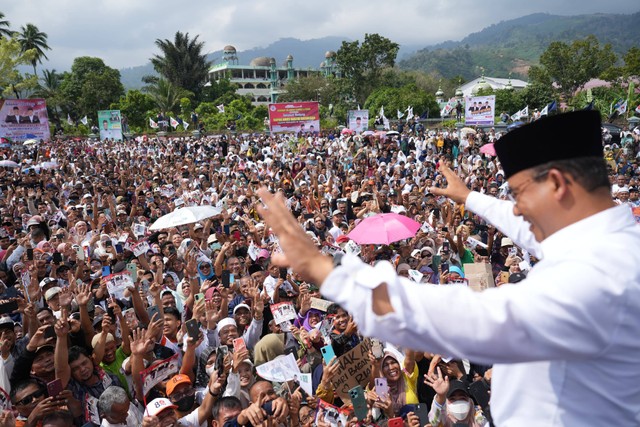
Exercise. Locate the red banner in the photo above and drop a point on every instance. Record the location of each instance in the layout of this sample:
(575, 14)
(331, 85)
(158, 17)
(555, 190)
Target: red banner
(299, 117)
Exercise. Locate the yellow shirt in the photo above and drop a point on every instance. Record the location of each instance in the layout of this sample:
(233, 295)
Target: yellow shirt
(411, 386)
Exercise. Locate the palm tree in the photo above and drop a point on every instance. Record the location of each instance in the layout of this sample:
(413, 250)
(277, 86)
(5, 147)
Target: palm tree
(182, 63)
(30, 37)
(166, 95)
(4, 27)
(49, 89)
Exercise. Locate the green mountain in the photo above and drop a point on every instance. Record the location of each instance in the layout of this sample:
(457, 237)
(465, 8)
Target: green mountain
(512, 46)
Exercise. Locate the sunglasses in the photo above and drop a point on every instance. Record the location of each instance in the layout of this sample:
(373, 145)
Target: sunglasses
(30, 398)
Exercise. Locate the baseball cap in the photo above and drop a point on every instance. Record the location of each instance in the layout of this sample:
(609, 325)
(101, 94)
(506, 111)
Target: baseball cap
(263, 253)
(337, 212)
(175, 381)
(158, 405)
(6, 322)
(239, 306)
(212, 238)
(456, 385)
(52, 292)
(46, 281)
(517, 277)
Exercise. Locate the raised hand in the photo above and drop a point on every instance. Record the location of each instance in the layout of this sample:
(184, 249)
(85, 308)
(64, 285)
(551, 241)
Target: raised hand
(437, 382)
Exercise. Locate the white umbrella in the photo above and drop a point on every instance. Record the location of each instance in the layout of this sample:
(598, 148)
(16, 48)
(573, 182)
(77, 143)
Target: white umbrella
(393, 132)
(186, 215)
(30, 142)
(9, 164)
(48, 165)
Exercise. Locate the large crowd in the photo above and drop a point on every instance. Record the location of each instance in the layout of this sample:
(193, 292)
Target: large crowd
(106, 321)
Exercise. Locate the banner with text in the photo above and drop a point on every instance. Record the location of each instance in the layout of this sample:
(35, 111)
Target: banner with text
(22, 119)
(110, 126)
(299, 117)
(358, 120)
(480, 110)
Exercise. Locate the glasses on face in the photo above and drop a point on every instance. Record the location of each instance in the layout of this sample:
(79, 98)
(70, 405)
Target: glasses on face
(514, 193)
(30, 398)
(178, 396)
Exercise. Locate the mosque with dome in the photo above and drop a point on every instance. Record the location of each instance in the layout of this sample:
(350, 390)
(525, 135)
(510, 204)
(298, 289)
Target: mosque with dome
(264, 79)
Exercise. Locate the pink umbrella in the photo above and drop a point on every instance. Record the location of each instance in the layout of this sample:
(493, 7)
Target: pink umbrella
(488, 149)
(384, 229)
(347, 131)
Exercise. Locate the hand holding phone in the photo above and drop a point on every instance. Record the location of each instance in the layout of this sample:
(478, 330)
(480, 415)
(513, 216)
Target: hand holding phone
(193, 329)
(327, 353)
(54, 387)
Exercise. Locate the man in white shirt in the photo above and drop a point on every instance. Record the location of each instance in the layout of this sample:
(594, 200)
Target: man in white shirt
(117, 410)
(564, 340)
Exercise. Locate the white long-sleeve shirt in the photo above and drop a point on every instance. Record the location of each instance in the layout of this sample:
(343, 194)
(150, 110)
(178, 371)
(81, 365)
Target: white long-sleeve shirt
(565, 341)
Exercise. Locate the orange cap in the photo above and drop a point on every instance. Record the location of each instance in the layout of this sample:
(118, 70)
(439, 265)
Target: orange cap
(176, 381)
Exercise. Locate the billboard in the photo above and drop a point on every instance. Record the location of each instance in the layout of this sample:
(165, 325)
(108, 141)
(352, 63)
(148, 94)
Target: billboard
(358, 120)
(22, 119)
(480, 110)
(110, 127)
(299, 117)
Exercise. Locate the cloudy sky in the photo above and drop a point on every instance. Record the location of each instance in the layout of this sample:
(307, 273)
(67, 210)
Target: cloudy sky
(122, 32)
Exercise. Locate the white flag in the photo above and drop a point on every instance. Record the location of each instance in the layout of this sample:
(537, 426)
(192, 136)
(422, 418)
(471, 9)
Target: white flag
(220, 108)
(185, 124)
(381, 111)
(84, 120)
(622, 108)
(400, 114)
(174, 123)
(520, 114)
(69, 121)
(152, 124)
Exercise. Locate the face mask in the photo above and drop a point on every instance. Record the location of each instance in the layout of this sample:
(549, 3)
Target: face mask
(186, 403)
(459, 409)
(210, 370)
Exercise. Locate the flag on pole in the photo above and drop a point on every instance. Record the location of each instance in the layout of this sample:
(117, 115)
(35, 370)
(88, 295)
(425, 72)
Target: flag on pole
(448, 107)
(548, 108)
(381, 114)
(520, 114)
(400, 114)
(84, 120)
(152, 124)
(638, 109)
(185, 124)
(409, 113)
(220, 108)
(620, 106)
(174, 123)
(358, 106)
(69, 121)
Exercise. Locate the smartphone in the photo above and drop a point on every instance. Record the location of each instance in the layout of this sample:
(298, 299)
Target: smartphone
(239, 344)
(382, 388)
(223, 350)
(359, 402)
(423, 413)
(513, 251)
(445, 246)
(327, 353)
(446, 230)
(377, 349)
(193, 329)
(108, 243)
(283, 273)
(106, 270)
(436, 261)
(479, 390)
(54, 387)
(395, 422)
(49, 332)
(119, 248)
(8, 307)
(152, 310)
(79, 252)
(133, 271)
(57, 257)
(198, 297)
(444, 267)
(504, 276)
(226, 278)
(307, 216)
(30, 254)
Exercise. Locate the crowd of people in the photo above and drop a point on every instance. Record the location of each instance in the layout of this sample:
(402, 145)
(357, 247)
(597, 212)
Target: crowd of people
(105, 321)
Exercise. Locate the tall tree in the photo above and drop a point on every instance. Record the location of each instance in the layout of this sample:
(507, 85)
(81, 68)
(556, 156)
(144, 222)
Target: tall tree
(362, 64)
(12, 82)
(166, 95)
(182, 62)
(49, 88)
(4, 27)
(90, 86)
(571, 66)
(30, 37)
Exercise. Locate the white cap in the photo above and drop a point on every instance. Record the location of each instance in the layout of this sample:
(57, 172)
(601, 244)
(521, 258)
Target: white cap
(158, 405)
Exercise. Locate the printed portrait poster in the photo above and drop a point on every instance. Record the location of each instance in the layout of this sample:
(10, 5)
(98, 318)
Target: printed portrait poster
(296, 117)
(480, 110)
(22, 119)
(358, 120)
(110, 125)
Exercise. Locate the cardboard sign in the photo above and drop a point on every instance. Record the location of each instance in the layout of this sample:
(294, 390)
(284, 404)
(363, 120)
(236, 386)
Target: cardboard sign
(118, 283)
(354, 369)
(283, 311)
(426, 227)
(352, 247)
(415, 275)
(320, 304)
(479, 275)
(281, 369)
(140, 248)
(156, 373)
